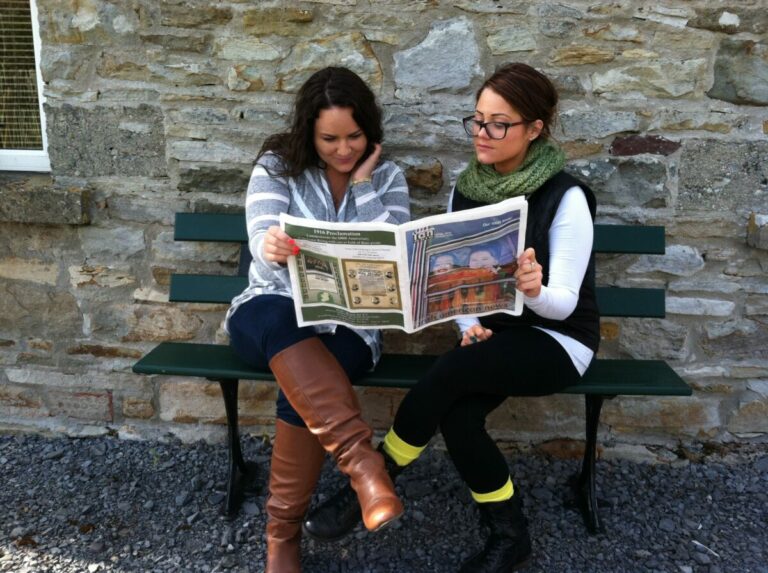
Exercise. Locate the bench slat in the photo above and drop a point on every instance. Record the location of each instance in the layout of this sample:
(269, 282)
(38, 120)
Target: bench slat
(605, 377)
(636, 302)
(629, 239)
(206, 288)
(226, 227)
(217, 227)
(631, 302)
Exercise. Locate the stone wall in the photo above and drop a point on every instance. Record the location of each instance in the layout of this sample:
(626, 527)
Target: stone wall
(158, 107)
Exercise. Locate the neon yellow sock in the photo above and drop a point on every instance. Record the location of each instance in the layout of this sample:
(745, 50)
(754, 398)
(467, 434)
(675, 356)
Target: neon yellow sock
(505, 492)
(402, 452)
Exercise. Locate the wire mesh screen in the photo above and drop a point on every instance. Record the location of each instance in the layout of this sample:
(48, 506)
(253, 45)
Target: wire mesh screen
(19, 107)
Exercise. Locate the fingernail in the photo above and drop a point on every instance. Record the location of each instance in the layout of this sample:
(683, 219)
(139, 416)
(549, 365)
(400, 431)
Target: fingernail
(291, 241)
(295, 250)
(473, 339)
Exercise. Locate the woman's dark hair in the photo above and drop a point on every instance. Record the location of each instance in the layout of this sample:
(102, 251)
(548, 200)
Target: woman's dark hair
(329, 87)
(527, 90)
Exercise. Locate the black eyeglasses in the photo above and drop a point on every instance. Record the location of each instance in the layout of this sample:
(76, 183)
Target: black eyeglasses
(494, 129)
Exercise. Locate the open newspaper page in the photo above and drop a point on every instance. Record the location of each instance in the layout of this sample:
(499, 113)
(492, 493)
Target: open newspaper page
(378, 275)
(463, 263)
(348, 273)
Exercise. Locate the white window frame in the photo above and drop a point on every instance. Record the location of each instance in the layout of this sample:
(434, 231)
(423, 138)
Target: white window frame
(31, 159)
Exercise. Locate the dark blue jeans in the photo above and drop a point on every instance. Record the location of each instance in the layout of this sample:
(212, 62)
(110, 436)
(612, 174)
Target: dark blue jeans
(266, 325)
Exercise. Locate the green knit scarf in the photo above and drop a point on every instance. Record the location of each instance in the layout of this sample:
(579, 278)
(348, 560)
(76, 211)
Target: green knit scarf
(484, 184)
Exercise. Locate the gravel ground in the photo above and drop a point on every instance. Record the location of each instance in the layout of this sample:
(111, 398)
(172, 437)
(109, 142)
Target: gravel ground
(103, 504)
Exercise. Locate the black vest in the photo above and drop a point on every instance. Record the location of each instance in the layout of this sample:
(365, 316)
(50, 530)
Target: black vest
(584, 323)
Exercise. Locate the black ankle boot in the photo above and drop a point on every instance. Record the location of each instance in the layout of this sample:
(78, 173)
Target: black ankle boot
(508, 547)
(338, 515)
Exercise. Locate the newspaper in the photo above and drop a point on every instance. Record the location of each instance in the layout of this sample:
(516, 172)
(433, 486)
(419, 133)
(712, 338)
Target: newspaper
(409, 276)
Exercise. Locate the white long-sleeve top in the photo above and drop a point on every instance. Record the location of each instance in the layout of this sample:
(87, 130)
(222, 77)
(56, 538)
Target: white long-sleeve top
(570, 246)
(384, 199)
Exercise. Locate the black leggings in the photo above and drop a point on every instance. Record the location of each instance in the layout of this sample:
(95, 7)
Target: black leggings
(468, 383)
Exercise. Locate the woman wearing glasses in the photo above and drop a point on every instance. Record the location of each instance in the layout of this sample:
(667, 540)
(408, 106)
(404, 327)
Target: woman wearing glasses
(546, 348)
(326, 167)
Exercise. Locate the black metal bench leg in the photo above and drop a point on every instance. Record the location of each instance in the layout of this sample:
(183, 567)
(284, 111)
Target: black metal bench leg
(242, 474)
(586, 493)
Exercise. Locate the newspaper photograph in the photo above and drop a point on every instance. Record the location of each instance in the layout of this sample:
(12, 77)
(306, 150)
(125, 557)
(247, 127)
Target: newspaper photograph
(378, 275)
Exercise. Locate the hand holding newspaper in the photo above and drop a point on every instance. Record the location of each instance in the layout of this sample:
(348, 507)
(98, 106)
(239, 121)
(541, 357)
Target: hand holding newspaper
(409, 276)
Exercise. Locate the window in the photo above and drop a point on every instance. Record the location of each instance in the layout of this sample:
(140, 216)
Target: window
(23, 144)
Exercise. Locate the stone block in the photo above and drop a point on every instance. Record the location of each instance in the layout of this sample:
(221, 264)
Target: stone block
(34, 200)
(654, 339)
(637, 144)
(197, 16)
(581, 55)
(245, 78)
(654, 79)
(29, 270)
(148, 207)
(187, 41)
(379, 405)
(213, 179)
(507, 39)
(680, 415)
(699, 306)
(21, 402)
(164, 248)
(141, 408)
(114, 243)
(99, 276)
(593, 123)
(551, 415)
(676, 17)
(614, 32)
(37, 310)
(195, 401)
(557, 20)
(731, 19)
(246, 50)
(626, 181)
(95, 141)
(756, 305)
(734, 339)
(741, 72)
(723, 175)
(167, 323)
(90, 406)
(422, 173)
(482, 7)
(757, 231)
(678, 260)
(348, 49)
(104, 351)
(450, 53)
(751, 415)
(278, 21)
(211, 151)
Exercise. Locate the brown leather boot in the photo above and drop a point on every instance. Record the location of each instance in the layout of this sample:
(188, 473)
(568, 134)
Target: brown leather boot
(297, 459)
(318, 388)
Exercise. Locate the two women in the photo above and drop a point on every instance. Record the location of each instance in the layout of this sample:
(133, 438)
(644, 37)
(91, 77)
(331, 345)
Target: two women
(326, 167)
(547, 348)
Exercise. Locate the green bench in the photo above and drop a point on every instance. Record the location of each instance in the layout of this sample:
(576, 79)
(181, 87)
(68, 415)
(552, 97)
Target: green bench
(605, 379)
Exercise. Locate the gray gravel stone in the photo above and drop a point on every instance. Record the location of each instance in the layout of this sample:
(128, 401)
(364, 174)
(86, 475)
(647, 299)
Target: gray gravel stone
(124, 518)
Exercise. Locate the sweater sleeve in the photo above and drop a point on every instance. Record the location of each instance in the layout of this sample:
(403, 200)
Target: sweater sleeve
(570, 245)
(266, 198)
(385, 198)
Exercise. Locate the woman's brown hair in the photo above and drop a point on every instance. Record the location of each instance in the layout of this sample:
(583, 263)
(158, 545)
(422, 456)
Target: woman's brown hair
(329, 87)
(527, 90)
